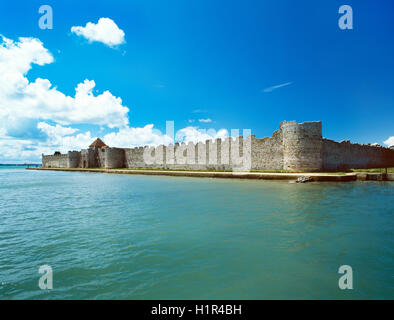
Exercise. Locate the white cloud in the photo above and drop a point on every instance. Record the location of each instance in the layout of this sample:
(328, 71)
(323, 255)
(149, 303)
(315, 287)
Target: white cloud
(16, 58)
(134, 137)
(105, 31)
(58, 138)
(56, 130)
(24, 100)
(389, 142)
(61, 139)
(149, 136)
(208, 120)
(36, 118)
(195, 134)
(25, 107)
(270, 89)
(17, 150)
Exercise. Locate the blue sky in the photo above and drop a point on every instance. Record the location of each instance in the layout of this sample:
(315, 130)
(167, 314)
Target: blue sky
(192, 60)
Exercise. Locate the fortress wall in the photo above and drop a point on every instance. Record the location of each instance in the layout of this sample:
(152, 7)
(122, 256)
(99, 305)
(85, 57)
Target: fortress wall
(218, 143)
(74, 158)
(237, 152)
(201, 156)
(88, 159)
(160, 157)
(145, 157)
(134, 157)
(130, 157)
(153, 157)
(55, 161)
(180, 157)
(213, 149)
(101, 153)
(346, 155)
(187, 156)
(267, 153)
(241, 153)
(302, 146)
(84, 161)
(191, 155)
(225, 156)
(294, 147)
(247, 153)
(170, 156)
(114, 158)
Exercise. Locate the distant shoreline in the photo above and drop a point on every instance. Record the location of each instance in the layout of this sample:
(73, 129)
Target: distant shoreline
(315, 176)
(20, 164)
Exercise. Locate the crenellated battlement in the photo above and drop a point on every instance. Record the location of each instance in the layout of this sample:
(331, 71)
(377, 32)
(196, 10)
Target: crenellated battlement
(293, 147)
(57, 160)
(302, 146)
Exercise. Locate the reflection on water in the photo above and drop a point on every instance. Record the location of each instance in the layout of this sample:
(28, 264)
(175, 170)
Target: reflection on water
(145, 237)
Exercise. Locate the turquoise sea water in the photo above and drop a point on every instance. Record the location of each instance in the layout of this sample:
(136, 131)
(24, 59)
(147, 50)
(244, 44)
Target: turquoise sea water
(110, 236)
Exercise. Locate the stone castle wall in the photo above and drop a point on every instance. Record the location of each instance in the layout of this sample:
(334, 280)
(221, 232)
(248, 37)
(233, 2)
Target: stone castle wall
(134, 157)
(114, 158)
(88, 159)
(101, 158)
(267, 153)
(74, 159)
(302, 146)
(294, 147)
(346, 155)
(55, 161)
(215, 155)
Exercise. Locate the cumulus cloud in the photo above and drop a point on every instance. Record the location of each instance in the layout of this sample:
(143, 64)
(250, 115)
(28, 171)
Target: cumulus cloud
(195, 134)
(21, 99)
(389, 142)
(133, 137)
(18, 150)
(27, 106)
(56, 130)
(58, 138)
(61, 139)
(105, 31)
(36, 118)
(17, 57)
(149, 136)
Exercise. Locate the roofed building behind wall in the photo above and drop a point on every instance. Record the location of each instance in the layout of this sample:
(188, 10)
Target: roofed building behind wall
(98, 143)
(293, 147)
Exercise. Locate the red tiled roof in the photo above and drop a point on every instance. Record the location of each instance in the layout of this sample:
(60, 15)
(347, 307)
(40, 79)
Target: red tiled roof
(98, 143)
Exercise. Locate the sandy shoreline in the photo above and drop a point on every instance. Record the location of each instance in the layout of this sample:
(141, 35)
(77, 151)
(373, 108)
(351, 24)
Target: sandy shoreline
(315, 176)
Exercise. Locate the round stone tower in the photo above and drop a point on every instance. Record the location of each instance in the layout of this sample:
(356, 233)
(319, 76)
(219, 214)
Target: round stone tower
(114, 158)
(74, 158)
(302, 146)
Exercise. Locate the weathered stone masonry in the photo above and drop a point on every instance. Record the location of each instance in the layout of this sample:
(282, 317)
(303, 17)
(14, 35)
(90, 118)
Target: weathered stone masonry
(294, 147)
